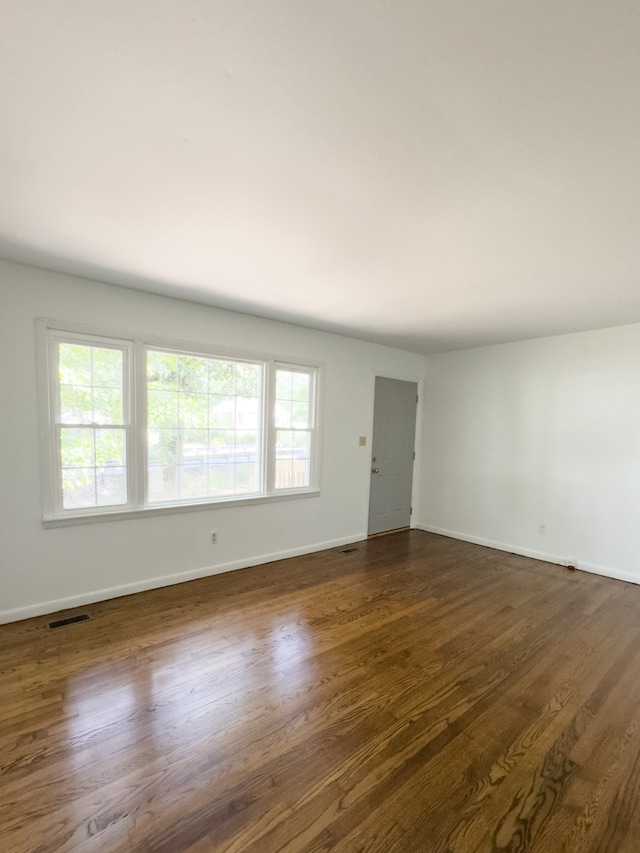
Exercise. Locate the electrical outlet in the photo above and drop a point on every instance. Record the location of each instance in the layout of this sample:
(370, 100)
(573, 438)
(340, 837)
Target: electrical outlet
(214, 537)
(542, 529)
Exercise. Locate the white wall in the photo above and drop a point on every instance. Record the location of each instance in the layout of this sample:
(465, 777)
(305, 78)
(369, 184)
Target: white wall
(514, 436)
(45, 569)
(540, 432)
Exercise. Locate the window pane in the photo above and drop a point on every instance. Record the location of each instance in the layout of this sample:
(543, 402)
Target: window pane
(163, 446)
(74, 364)
(300, 387)
(221, 442)
(284, 384)
(300, 415)
(78, 488)
(163, 482)
(75, 404)
(222, 377)
(193, 374)
(293, 464)
(193, 479)
(162, 465)
(283, 413)
(109, 445)
(76, 448)
(302, 444)
(301, 472)
(162, 371)
(194, 441)
(194, 451)
(284, 473)
(247, 412)
(217, 408)
(284, 444)
(246, 446)
(107, 367)
(221, 411)
(221, 478)
(111, 488)
(107, 406)
(194, 410)
(91, 384)
(162, 408)
(246, 477)
(247, 380)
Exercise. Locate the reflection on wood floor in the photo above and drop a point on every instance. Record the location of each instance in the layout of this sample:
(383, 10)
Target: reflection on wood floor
(418, 694)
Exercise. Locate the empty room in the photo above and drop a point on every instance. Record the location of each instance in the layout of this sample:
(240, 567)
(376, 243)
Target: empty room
(320, 457)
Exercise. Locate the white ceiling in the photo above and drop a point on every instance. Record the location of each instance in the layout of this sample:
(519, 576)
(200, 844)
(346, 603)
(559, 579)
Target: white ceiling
(431, 175)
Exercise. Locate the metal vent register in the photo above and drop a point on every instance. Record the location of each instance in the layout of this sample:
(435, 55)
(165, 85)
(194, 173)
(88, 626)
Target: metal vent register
(60, 623)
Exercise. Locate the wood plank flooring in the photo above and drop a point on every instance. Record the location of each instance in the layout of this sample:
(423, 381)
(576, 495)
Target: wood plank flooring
(418, 694)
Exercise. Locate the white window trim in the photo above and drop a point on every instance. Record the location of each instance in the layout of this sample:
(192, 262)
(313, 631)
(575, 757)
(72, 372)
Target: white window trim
(135, 348)
(272, 429)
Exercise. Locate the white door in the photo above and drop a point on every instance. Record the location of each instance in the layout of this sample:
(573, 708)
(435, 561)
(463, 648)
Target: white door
(392, 452)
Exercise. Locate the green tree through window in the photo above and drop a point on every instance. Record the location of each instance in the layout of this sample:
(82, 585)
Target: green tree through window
(203, 427)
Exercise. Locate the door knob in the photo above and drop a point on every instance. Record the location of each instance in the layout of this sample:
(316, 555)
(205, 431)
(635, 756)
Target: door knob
(375, 470)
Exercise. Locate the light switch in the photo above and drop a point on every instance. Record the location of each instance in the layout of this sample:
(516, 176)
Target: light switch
(363, 441)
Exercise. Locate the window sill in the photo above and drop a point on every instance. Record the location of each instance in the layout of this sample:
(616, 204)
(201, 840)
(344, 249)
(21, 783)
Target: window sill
(175, 509)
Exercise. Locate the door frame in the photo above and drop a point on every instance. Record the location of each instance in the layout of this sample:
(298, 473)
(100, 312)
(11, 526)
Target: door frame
(402, 377)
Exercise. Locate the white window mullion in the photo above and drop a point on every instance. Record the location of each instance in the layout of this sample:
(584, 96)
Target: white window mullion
(138, 456)
(129, 417)
(314, 444)
(56, 469)
(55, 433)
(270, 429)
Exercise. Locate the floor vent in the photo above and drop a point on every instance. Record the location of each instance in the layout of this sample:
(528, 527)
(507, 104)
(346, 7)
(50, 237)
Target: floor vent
(348, 550)
(60, 623)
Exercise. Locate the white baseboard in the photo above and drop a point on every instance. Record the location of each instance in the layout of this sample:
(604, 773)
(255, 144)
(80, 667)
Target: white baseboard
(492, 543)
(594, 569)
(46, 607)
(616, 574)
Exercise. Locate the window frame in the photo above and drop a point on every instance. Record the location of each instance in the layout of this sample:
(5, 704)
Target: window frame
(263, 363)
(313, 373)
(54, 498)
(135, 349)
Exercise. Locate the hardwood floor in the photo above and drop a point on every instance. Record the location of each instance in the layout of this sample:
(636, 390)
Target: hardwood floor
(418, 694)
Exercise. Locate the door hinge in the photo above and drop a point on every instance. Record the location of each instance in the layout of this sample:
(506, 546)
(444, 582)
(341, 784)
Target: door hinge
(414, 454)
(416, 398)
(411, 511)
